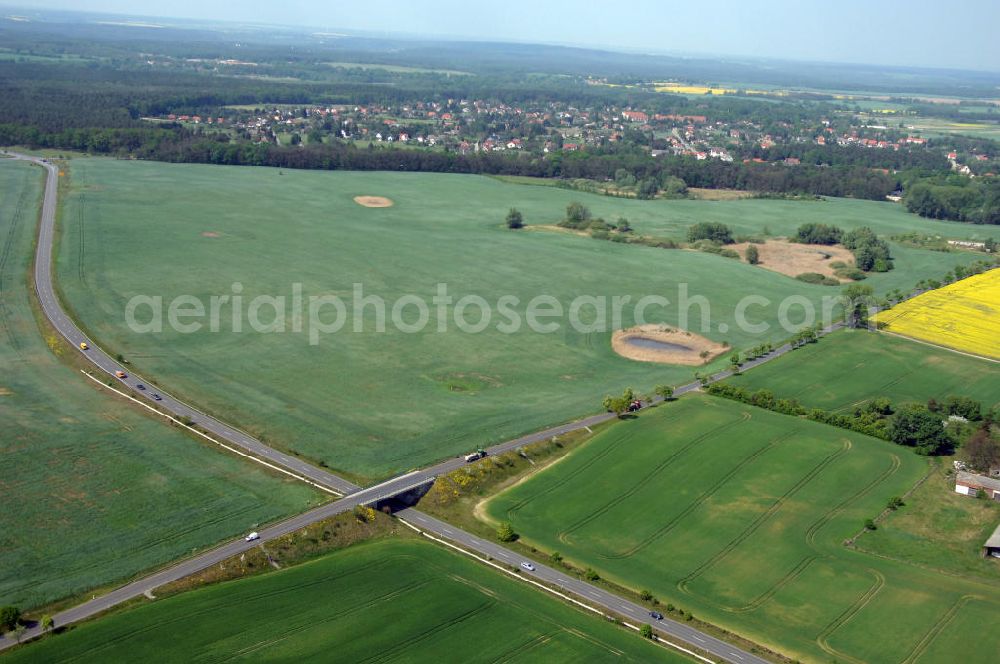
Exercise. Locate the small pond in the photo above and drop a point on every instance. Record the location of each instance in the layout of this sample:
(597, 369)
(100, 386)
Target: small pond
(653, 344)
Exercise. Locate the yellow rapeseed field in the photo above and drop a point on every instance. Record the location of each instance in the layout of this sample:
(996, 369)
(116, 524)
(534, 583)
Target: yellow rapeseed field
(680, 88)
(693, 89)
(964, 315)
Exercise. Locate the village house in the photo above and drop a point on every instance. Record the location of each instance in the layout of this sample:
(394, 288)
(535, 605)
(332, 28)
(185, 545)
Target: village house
(991, 547)
(970, 484)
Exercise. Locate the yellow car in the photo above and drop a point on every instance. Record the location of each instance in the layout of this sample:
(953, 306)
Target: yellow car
(83, 345)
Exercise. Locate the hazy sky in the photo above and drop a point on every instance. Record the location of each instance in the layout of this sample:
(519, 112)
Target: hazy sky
(950, 33)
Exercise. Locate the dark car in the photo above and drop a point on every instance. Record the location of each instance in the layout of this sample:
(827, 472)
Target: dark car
(157, 397)
(656, 615)
(140, 386)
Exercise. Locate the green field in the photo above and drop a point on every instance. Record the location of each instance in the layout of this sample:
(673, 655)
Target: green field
(939, 528)
(402, 600)
(948, 126)
(739, 515)
(849, 367)
(372, 403)
(93, 492)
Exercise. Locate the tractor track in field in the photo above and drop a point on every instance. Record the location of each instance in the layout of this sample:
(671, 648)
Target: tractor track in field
(799, 568)
(12, 233)
(549, 488)
(387, 655)
(563, 536)
(766, 596)
(921, 647)
(894, 463)
(697, 502)
(762, 518)
(81, 252)
(863, 600)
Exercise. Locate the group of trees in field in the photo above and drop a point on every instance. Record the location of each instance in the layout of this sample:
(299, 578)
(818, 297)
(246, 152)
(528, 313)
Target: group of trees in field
(871, 254)
(818, 234)
(712, 231)
(514, 219)
(982, 450)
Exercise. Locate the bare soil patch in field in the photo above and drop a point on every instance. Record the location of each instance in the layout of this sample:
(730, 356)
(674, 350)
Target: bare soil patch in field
(793, 259)
(664, 344)
(210, 234)
(553, 228)
(373, 201)
(718, 194)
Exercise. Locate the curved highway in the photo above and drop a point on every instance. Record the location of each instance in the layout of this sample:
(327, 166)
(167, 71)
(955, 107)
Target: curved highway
(68, 329)
(352, 495)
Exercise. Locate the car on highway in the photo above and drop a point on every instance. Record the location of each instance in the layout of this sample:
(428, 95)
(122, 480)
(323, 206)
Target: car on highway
(83, 345)
(121, 374)
(252, 536)
(140, 386)
(656, 615)
(157, 397)
(528, 566)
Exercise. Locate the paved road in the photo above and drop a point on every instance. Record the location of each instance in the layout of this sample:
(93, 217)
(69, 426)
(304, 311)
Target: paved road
(586, 592)
(352, 494)
(107, 364)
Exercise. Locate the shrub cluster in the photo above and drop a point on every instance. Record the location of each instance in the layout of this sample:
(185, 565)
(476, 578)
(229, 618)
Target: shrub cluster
(818, 234)
(710, 230)
(870, 253)
(817, 278)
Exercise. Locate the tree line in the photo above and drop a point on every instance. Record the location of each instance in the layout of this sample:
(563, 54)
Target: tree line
(956, 198)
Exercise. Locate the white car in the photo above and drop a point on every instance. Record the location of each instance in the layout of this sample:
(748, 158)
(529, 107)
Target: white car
(528, 566)
(252, 536)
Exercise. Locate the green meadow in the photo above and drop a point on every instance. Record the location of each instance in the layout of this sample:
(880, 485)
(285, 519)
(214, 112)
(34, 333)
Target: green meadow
(373, 403)
(384, 601)
(739, 515)
(852, 366)
(92, 491)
